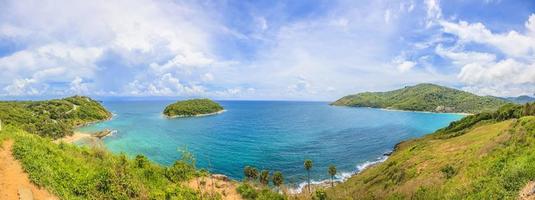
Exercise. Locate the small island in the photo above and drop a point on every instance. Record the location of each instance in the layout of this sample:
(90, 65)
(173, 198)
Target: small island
(192, 108)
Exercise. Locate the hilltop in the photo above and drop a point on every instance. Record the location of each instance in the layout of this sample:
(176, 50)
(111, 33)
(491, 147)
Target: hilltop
(424, 97)
(192, 107)
(52, 118)
(482, 156)
(521, 99)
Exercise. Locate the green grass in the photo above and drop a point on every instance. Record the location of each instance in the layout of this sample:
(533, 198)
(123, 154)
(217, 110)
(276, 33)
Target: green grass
(192, 107)
(53, 118)
(73, 172)
(488, 158)
(424, 97)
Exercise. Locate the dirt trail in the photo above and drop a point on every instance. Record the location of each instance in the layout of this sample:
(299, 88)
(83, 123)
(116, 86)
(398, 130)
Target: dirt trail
(13, 179)
(528, 192)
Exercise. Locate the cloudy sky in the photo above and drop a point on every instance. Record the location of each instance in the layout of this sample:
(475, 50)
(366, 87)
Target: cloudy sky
(293, 50)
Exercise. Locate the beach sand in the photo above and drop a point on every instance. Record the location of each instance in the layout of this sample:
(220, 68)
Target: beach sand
(77, 136)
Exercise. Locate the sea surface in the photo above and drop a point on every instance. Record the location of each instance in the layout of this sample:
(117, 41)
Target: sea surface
(273, 135)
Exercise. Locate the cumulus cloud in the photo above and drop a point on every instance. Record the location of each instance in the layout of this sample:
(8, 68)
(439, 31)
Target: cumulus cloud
(68, 41)
(483, 72)
(511, 43)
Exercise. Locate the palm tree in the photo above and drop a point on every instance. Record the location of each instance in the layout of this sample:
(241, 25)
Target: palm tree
(308, 166)
(332, 172)
(247, 172)
(254, 173)
(278, 179)
(264, 177)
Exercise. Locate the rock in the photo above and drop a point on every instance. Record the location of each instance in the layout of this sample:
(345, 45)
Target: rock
(220, 177)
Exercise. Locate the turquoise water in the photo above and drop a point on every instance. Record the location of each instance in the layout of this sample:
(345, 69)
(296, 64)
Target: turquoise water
(272, 135)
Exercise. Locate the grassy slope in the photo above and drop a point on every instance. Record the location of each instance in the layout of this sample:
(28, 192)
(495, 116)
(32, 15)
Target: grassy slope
(423, 97)
(492, 159)
(192, 107)
(52, 118)
(73, 172)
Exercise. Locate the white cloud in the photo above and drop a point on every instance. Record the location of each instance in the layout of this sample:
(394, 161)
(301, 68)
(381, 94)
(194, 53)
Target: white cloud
(511, 43)
(434, 12)
(406, 66)
(69, 39)
(483, 72)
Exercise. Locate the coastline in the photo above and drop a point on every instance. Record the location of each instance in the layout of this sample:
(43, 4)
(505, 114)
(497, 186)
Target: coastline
(77, 136)
(343, 176)
(399, 110)
(198, 115)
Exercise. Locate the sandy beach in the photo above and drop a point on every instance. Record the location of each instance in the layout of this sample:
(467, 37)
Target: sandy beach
(77, 136)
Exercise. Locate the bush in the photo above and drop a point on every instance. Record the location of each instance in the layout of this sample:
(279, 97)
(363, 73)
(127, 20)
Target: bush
(448, 171)
(247, 191)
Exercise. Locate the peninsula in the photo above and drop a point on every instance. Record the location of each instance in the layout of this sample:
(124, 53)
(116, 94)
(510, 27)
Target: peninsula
(192, 107)
(424, 97)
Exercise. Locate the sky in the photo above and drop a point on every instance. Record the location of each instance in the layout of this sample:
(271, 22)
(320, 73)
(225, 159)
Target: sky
(263, 50)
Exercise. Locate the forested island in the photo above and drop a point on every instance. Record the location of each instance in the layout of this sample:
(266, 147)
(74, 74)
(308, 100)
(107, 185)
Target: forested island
(192, 107)
(424, 97)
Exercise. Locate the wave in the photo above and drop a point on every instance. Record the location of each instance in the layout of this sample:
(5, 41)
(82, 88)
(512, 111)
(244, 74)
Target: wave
(342, 176)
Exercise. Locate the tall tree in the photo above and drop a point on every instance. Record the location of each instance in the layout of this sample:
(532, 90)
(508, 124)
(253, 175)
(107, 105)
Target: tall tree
(247, 172)
(264, 177)
(254, 173)
(332, 172)
(278, 179)
(308, 166)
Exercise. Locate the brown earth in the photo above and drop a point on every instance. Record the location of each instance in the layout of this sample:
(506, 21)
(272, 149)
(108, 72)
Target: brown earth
(14, 181)
(226, 188)
(528, 192)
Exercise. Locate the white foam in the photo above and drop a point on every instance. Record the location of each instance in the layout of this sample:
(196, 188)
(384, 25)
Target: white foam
(339, 177)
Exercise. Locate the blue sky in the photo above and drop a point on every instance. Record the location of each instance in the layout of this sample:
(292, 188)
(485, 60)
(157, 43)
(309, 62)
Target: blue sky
(285, 50)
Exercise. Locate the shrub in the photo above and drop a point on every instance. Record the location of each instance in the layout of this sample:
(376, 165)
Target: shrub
(448, 171)
(247, 191)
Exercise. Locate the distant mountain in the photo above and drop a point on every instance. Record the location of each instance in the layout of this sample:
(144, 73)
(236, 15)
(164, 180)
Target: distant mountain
(424, 97)
(520, 99)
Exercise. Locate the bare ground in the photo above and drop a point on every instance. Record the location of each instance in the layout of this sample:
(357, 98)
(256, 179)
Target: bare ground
(13, 179)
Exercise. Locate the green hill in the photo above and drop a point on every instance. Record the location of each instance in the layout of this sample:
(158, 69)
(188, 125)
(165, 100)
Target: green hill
(424, 97)
(482, 156)
(192, 107)
(521, 99)
(52, 118)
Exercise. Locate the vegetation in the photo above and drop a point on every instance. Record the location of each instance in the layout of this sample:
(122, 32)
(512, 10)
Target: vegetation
(249, 190)
(73, 172)
(521, 99)
(278, 179)
(308, 166)
(264, 177)
(424, 97)
(53, 118)
(332, 173)
(192, 107)
(483, 156)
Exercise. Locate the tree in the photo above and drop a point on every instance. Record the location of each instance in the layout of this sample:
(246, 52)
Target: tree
(308, 166)
(247, 172)
(141, 161)
(332, 172)
(254, 173)
(264, 177)
(278, 179)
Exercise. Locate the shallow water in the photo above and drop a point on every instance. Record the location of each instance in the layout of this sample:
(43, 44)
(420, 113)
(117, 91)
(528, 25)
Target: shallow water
(274, 135)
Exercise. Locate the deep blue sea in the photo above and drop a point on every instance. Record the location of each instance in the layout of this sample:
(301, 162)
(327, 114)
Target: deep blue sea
(274, 135)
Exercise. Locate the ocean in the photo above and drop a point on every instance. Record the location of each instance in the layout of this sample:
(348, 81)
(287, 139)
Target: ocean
(272, 135)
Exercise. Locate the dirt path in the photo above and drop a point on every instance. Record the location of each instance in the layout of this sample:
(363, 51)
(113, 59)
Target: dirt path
(528, 192)
(14, 180)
